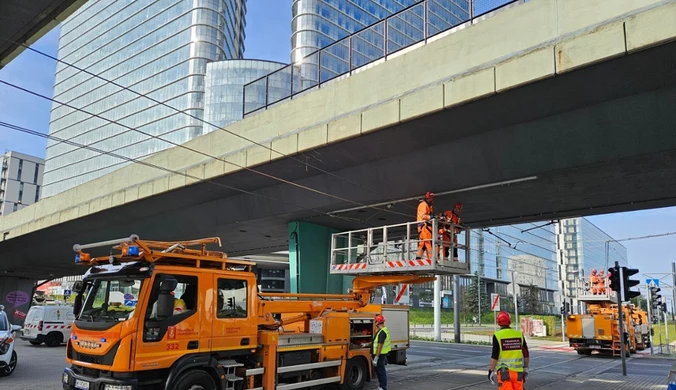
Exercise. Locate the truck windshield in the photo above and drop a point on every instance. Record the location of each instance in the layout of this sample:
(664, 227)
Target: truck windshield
(110, 300)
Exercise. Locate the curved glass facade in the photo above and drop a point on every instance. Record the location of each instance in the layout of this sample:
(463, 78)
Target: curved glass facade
(157, 48)
(318, 23)
(225, 89)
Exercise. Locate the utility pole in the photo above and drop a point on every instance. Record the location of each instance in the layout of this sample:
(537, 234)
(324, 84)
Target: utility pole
(666, 331)
(620, 312)
(516, 303)
(650, 317)
(478, 280)
(456, 311)
(673, 289)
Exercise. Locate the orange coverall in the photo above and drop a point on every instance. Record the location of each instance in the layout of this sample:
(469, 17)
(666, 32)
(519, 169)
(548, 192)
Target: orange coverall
(425, 211)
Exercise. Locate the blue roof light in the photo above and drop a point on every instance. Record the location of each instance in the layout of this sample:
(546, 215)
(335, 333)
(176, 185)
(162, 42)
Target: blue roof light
(77, 258)
(132, 251)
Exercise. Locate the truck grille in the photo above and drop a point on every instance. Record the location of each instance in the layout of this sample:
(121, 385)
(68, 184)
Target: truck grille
(86, 358)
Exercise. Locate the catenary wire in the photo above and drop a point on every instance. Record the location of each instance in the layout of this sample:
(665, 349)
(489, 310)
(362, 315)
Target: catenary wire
(201, 120)
(200, 152)
(168, 170)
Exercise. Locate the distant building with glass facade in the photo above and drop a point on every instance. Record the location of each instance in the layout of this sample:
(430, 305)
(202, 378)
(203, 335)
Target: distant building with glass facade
(583, 247)
(225, 82)
(157, 48)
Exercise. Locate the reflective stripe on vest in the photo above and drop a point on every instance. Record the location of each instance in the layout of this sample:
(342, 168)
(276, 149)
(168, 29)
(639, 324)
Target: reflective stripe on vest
(511, 349)
(387, 347)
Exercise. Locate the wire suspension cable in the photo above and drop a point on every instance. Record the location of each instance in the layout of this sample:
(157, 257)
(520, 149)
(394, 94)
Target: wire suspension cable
(197, 179)
(199, 152)
(197, 118)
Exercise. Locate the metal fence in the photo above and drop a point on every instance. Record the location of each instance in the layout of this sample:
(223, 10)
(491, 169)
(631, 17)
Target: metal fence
(412, 25)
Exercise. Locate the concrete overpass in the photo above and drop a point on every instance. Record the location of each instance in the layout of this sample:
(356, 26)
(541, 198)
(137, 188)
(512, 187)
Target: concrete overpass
(568, 104)
(25, 22)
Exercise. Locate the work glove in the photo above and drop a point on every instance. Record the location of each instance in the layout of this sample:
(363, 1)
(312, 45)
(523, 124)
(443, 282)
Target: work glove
(375, 361)
(492, 376)
(525, 374)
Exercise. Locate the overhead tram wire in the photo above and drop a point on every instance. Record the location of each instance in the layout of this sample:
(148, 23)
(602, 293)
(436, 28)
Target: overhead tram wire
(201, 120)
(168, 170)
(200, 152)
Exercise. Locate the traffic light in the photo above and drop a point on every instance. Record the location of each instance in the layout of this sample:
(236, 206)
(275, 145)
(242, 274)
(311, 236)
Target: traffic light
(655, 298)
(614, 278)
(231, 302)
(628, 283)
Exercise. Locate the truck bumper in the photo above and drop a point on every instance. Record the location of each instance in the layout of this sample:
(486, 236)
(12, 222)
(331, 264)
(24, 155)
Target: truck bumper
(72, 380)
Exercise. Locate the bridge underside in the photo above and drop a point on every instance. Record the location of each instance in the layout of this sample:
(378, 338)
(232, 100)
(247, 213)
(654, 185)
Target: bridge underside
(597, 140)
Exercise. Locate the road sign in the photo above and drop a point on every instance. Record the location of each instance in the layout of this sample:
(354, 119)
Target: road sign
(652, 282)
(495, 302)
(66, 294)
(402, 295)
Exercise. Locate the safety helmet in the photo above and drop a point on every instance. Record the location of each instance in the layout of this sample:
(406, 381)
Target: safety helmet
(448, 214)
(593, 271)
(429, 195)
(179, 306)
(380, 319)
(504, 319)
(458, 206)
(600, 272)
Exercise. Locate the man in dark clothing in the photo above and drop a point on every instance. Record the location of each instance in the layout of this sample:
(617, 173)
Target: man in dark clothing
(381, 347)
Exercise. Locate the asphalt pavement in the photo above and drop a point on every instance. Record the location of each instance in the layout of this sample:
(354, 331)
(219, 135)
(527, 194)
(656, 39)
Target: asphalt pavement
(432, 366)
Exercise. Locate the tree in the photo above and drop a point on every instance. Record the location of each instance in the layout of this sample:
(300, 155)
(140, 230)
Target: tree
(532, 303)
(471, 297)
(640, 302)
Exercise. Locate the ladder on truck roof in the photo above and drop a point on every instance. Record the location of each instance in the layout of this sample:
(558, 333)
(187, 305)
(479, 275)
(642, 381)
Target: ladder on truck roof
(393, 249)
(586, 291)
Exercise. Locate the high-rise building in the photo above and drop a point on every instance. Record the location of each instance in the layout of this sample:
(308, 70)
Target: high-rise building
(223, 103)
(20, 181)
(318, 23)
(157, 48)
(583, 247)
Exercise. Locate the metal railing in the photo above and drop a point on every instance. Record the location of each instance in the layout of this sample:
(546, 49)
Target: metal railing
(412, 25)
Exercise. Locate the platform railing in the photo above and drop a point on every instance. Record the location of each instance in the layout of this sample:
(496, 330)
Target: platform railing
(587, 291)
(399, 248)
(410, 26)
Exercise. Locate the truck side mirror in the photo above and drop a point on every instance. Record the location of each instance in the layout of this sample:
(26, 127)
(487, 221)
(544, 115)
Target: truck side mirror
(165, 302)
(78, 286)
(77, 305)
(16, 328)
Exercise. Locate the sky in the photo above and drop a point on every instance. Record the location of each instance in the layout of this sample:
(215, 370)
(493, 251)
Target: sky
(268, 36)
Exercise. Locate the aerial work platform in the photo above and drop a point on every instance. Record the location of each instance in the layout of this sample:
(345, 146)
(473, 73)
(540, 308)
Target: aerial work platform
(395, 249)
(594, 291)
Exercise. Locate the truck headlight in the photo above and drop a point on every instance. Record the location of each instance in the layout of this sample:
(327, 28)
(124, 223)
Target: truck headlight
(64, 378)
(117, 387)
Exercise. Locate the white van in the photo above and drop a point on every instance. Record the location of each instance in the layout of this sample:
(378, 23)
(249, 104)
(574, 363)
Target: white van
(49, 324)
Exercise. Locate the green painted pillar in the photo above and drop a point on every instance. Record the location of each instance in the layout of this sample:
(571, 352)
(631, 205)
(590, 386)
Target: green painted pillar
(310, 258)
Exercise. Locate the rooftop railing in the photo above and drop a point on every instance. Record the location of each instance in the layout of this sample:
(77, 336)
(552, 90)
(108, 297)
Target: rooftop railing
(410, 26)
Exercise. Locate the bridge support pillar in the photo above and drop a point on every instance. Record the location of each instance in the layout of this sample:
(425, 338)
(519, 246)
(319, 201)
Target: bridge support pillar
(309, 260)
(16, 295)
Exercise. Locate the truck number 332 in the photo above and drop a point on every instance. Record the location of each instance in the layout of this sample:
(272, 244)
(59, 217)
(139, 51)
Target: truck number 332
(172, 346)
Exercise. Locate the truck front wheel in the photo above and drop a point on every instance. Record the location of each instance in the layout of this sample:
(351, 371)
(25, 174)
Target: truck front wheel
(195, 380)
(355, 375)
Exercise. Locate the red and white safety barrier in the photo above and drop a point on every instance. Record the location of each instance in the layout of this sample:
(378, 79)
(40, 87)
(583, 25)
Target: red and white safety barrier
(344, 267)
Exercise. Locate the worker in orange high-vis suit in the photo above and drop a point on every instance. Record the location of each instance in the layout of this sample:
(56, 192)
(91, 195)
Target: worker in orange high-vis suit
(455, 219)
(510, 356)
(445, 235)
(593, 282)
(425, 213)
(601, 285)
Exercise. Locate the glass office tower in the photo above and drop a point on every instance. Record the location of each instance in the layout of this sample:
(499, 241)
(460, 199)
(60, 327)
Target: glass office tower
(318, 23)
(157, 48)
(225, 82)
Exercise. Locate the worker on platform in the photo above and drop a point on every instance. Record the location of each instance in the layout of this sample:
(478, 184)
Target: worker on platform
(445, 234)
(594, 282)
(381, 347)
(455, 220)
(424, 215)
(510, 356)
(601, 286)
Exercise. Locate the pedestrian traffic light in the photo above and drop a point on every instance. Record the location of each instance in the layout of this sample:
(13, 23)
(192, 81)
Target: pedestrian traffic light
(614, 278)
(628, 283)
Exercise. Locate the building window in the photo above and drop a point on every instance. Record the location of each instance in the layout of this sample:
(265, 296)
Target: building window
(37, 193)
(15, 207)
(35, 176)
(232, 298)
(18, 175)
(20, 192)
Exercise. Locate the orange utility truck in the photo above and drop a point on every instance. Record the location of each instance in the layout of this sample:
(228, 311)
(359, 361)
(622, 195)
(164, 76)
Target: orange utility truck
(178, 316)
(598, 328)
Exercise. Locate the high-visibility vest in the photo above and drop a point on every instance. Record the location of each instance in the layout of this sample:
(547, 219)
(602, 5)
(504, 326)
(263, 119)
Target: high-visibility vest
(424, 213)
(511, 349)
(387, 347)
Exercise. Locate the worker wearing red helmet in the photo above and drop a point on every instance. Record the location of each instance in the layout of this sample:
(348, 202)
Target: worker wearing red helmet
(510, 356)
(424, 215)
(381, 347)
(455, 219)
(445, 234)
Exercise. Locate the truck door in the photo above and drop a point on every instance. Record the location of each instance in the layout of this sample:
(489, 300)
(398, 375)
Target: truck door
(165, 339)
(234, 320)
